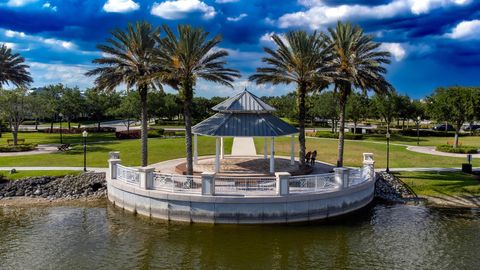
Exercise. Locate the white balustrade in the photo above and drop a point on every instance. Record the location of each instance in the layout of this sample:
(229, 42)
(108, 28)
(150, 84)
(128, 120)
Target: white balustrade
(128, 175)
(177, 183)
(243, 185)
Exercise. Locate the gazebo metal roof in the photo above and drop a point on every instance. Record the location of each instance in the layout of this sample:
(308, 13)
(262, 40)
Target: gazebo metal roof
(244, 115)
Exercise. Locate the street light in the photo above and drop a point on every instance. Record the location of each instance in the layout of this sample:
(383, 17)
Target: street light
(61, 137)
(388, 151)
(84, 135)
(418, 131)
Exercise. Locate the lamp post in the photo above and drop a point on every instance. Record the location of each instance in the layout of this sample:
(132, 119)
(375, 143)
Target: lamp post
(388, 151)
(84, 135)
(418, 130)
(61, 135)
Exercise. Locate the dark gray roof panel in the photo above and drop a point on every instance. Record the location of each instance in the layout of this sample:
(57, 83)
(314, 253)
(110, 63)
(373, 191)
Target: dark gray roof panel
(243, 102)
(244, 125)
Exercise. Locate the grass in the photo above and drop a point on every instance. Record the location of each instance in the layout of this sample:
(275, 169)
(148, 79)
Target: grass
(441, 183)
(22, 174)
(46, 138)
(97, 155)
(424, 141)
(400, 157)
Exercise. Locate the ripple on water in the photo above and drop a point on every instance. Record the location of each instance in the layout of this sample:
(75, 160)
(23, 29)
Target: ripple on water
(379, 237)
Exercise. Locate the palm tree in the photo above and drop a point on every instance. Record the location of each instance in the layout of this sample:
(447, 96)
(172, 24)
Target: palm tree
(128, 60)
(186, 58)
(12, 68)
(300, 59)
(358, 62)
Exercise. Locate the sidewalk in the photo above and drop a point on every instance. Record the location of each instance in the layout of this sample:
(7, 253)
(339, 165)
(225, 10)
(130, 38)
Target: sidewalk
(243, 146)
(90, 169)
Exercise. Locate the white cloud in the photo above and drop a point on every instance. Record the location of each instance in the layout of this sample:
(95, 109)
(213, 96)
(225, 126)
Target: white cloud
(71, 75)
(225, 1)
(120, 6)
(466, 30)
(52, 42)
(266, 39)
(396, 49)
(9, 45)
(11, 34)
(179, 9)
(47, 5)
(20, 3)
(238, 18)
(319, 14)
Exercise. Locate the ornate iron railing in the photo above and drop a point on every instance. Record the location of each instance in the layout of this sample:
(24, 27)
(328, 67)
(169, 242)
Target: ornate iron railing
(312, 183)
(128, 175)
(247, 186)
(177, 183)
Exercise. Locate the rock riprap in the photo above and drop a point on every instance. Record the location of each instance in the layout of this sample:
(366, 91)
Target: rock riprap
(68, 187)
(390, 188)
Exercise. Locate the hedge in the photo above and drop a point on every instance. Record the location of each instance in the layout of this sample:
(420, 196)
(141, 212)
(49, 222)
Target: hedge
(18, 148)
(459, 150)
(328, 134)
(80, 130)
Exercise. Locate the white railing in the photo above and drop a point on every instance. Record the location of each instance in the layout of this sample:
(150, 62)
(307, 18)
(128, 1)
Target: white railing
(128, 175)
(312, 183)
(177, 183)
(247, 186)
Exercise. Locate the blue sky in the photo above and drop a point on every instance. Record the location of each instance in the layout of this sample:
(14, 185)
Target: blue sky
(433, 42)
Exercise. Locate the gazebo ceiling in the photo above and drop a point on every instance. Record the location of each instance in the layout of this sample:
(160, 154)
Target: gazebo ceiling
(244, 115)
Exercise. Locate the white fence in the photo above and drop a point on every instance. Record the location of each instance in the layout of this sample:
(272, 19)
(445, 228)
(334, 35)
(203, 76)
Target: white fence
(177, 183)
(211, 184)
(244, 185)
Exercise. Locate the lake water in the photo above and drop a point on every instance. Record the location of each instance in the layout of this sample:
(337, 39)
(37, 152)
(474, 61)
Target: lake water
(103, 237)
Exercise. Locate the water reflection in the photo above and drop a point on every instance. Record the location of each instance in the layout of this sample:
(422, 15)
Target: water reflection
(379, 237)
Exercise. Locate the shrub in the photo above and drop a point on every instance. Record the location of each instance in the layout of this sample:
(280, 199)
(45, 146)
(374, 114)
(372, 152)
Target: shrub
(460, 149)
(132, 134)
(423, 133)
(173, 133)
(328, 134)
(18, 148)
(156, 133)
(80, 130)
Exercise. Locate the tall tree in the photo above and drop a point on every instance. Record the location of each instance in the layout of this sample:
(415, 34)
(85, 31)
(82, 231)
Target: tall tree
(12, 68)
(297, 59)
(453, 104)
(72, 104)
(186, 58)
(358, 63)
(99, 104)
(128, 60)
(357, 108)
(14, 107)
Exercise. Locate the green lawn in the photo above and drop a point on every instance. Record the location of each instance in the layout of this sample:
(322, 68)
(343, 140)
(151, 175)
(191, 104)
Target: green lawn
(441, 183)
(424, 141)
(22, 174)
(45, 138)
(159, 150)
(399, 156)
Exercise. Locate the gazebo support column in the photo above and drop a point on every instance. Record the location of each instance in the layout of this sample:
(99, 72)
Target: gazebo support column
(292, 150)
(265, 148)
(217, 154)
(222, 149)
(195, 149)
(272, 155)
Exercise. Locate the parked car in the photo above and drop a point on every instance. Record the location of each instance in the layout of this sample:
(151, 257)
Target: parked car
(442, 127)
(472, 128)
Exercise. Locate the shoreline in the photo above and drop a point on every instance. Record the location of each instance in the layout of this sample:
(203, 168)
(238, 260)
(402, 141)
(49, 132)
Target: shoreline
(45, 202)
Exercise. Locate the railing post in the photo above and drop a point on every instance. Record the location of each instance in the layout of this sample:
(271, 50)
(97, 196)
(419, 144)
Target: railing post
(368, 166)
(113, 161)
(208, 183)
(342, 176)
(282, 179)
(146, 177)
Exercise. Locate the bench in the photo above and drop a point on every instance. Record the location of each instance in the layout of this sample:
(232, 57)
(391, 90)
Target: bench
(19, 141)
(63, 147)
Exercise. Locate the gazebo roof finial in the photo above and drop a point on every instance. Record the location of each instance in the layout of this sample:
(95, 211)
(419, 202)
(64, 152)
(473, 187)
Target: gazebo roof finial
(244, 102)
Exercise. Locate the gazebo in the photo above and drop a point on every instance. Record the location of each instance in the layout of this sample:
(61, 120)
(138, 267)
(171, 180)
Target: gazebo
(244, 115)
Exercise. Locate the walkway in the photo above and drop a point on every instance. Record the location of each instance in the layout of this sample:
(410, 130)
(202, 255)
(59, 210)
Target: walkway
(90, 169)
(41, 149)
(243, 146)
(431, 150)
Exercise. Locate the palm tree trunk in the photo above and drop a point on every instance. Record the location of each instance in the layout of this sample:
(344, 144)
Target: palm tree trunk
(341, 131)
(144, 133)
(188, 126)
(301, 122)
